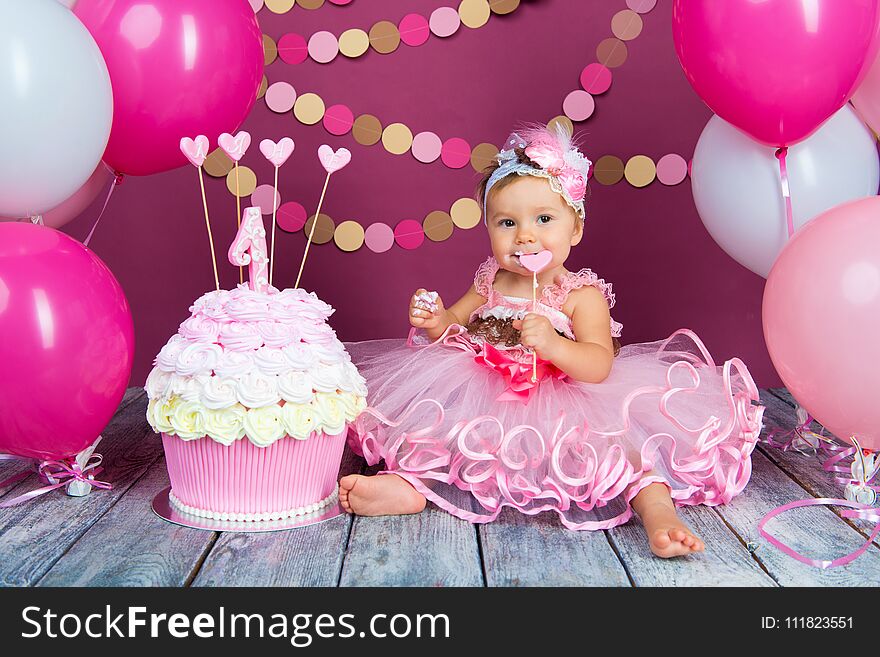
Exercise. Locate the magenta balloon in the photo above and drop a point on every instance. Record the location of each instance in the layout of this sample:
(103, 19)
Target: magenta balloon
(179, 68)
(821, 319)
(70, 209)
(776, 69)
(66, 343)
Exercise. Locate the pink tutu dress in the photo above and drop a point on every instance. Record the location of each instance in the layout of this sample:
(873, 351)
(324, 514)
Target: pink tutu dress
(460, 419)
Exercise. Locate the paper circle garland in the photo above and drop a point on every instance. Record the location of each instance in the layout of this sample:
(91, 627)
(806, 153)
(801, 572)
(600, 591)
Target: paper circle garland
(426, 147)
(291, 217)
(408, 234)
(379, 237)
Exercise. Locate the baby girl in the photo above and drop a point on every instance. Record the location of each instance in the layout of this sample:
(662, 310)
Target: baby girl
(505, 399)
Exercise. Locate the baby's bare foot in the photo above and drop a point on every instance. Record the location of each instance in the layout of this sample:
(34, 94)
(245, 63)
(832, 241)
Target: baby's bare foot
(668, 536)
(380, 495)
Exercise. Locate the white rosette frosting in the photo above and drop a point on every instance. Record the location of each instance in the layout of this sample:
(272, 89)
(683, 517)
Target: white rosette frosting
(255, 365)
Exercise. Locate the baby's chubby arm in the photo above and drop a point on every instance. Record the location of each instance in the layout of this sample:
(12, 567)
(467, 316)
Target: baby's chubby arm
(435, 318)
(589, 359)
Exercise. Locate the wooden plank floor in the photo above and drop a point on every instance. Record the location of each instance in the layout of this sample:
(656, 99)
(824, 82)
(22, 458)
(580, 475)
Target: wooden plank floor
(112, 538)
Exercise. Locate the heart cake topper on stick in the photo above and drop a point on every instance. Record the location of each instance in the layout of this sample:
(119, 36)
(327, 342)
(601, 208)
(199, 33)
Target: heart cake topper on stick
(535, 262)
(196, 150)
(235, 147)
(277, 154)
(331, 162)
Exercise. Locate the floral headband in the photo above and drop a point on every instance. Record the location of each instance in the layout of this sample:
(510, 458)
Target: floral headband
(560, 162)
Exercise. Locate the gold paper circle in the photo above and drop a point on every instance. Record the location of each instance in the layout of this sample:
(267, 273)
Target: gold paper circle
(323, 231)
(438, 226)
(309, 108)
(482, 156)
(502, 7)
(354, 42)
(310, 4)
(367, 130)
(218, 163)
(474, 13)
(608, 170)
(384, 37)
(611, 52)
(640, 171)
(247, 181)
(349, 236)
(270, 50)
(263, 86)
(564, 121)
(397, 138)
(466, 213)
(626, 25)
(279, 6)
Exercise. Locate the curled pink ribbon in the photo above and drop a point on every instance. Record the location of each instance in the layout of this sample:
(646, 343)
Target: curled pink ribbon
(61, 472)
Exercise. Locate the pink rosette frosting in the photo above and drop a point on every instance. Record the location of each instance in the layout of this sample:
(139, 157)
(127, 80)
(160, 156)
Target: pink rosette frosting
(200, 329)
(240, 337)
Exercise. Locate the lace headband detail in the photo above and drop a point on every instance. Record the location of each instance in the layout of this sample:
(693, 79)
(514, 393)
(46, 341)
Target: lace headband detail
(558, 160)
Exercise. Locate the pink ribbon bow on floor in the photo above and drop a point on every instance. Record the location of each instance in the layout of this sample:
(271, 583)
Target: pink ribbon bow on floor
(60, 472)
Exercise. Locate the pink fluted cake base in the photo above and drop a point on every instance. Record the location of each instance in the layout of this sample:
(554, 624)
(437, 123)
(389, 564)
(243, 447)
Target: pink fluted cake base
(242, 481)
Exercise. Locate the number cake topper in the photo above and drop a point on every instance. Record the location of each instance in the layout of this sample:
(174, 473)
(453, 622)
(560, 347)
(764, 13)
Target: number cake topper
(235, 147)
(249, 248)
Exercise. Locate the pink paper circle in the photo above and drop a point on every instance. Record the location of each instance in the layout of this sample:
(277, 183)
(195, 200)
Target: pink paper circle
(578, 105)
(672, 169)
(379, 237)
(456, 153)
(323, 47)
(426, 147)
(409, 234)
(338, 119)
(292, 48)
(280, 97)
(596, 78)
(262, 198)
(414, 30)
(291, 217)
(341, 2)
(641, 6)
(445, 21)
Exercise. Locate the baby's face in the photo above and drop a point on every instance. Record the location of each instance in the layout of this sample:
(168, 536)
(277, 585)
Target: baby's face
(527, 216)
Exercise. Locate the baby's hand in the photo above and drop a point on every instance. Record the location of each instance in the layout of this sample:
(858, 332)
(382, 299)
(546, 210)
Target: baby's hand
(536, 332)
(425, 309)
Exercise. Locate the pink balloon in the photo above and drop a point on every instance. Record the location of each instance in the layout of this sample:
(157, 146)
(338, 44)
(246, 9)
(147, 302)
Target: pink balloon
(66, 343)
(776, 69)
(76, 204)
(821, 318)
(178, 68)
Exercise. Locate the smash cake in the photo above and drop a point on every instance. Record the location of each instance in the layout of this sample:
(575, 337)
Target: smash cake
(253, 397)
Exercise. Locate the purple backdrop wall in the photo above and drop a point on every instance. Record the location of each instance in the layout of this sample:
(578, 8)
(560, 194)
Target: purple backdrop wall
(667, 271)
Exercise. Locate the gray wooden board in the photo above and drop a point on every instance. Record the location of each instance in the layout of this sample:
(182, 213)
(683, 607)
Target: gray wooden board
(306, 556)
(34, 535)
(431, 548)
(11, 468)
(132, 546)
(725, 562)
(814, 531)
(521, 550)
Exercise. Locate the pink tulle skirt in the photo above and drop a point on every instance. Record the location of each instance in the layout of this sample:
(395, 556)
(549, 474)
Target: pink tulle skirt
(666, 413)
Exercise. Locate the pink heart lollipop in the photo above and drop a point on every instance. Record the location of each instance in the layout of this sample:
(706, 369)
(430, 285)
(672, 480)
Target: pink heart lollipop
(333, 162)
(535, 262)
(235, 147)
(196, 150)
(278, 153)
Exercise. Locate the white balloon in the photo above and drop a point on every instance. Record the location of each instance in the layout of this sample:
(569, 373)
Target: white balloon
(56, 109)
(737, 185)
